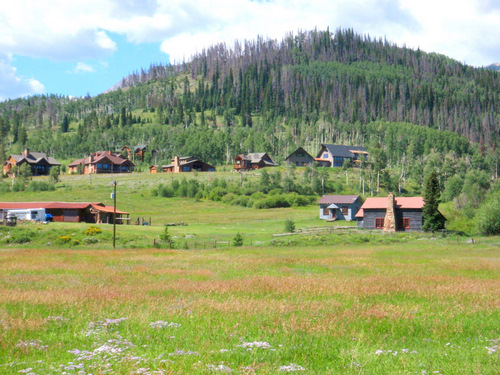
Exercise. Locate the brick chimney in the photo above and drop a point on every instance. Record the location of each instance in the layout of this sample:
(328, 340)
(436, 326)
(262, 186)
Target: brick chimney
(177, 164)
(390, 215)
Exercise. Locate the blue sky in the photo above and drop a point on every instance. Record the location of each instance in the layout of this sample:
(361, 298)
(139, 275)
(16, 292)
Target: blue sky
(86, 46)
(94, 75)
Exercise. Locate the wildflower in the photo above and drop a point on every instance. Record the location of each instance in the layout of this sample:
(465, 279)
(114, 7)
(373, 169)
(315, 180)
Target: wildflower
(162, 324)
(219, 368)
(291, 367)
(256, 344)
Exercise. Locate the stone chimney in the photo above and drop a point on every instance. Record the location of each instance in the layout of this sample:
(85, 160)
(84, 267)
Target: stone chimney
(26, 152)
(177, 164)
(390, 215)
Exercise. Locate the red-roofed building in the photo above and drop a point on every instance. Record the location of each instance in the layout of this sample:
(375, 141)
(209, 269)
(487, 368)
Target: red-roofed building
(407, 213)
(72, 211)
(102, 162)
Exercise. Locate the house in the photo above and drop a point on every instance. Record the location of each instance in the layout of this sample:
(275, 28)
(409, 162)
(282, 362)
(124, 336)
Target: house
(253, 161)
(184, 164)
(39, 162)
(72, 211)
(392, 214)
(300, 158)
(336, 155)
(138, 152)
(339, 207)
(102, 162)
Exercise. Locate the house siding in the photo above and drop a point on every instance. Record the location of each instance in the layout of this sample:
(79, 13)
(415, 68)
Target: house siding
(353, 209)
(414, 215)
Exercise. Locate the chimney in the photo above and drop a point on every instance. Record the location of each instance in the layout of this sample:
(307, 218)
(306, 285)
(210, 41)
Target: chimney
(176, 165)
(26, 152)
(390, 215)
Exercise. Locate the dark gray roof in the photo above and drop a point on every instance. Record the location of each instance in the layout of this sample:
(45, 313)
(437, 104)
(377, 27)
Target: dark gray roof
(343, 151)
(340, 199)
(301, 150)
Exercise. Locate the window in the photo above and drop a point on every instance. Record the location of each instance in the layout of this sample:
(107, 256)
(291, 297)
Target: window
(339, 158)
(326, 211)
(406, 223)
(379, 222)
(186, 169)
(325, 155)
(345, 210)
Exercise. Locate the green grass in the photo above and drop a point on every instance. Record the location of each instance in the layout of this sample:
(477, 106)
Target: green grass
(337, 303)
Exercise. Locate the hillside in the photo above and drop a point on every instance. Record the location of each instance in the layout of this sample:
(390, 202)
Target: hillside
(267, 95)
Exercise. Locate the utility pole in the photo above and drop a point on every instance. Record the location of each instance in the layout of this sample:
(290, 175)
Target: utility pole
(114, 213)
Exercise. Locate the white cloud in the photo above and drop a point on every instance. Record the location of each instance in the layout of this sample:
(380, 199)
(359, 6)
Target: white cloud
(83, 68)
(13, 86)
(81, 30)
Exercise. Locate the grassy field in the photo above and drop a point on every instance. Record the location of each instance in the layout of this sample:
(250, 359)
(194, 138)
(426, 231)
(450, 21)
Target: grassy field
(339, 303)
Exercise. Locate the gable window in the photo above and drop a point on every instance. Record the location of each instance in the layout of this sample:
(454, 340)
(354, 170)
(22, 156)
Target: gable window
(379, 222)
(325, 155)
(345, 210)
(406, 223)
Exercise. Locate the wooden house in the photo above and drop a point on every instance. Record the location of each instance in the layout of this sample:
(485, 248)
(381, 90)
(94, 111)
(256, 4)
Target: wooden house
(336, 155)
(102, 162)
(73, 212)
(339, 207)
(39, 162)
(299, 158)
(184, 164)
(392, 214)
(253, 161)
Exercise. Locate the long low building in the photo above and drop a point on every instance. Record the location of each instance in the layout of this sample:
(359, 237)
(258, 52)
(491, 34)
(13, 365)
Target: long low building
(74, 212)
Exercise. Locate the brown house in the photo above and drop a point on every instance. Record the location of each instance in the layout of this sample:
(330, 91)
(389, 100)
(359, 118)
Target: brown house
(184, 164)
(102, 162)
(253, 161)
(39, 162)
(72, 211)
(299, 158)
(138, 152)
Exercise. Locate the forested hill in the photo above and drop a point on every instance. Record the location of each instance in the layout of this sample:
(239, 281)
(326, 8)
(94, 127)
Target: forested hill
(266, 95)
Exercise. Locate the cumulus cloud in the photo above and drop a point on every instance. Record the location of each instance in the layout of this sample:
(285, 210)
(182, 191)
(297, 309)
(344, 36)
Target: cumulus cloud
(81, 30)
(13, 86)
(83, 68)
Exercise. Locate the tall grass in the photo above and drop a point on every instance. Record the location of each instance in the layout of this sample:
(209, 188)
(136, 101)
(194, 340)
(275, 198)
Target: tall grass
(426, 306)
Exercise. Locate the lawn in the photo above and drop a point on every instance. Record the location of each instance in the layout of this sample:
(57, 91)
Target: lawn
(334, 303)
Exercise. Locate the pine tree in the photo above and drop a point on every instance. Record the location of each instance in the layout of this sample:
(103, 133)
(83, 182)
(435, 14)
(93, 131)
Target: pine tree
(433, 220)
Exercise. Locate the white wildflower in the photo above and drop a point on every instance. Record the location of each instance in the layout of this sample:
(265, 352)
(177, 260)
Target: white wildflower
(291, 367)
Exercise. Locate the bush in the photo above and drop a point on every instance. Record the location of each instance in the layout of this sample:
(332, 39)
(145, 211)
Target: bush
(4, 187)
(487, 218)
(18, 185)
(93, 230)
(289, 226)
(40, 186)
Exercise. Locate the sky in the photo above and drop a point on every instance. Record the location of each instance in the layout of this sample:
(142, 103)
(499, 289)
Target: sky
(80, 47)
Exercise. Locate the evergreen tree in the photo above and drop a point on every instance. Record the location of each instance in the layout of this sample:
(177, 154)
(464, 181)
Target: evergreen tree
(65, 124)
(433, 220)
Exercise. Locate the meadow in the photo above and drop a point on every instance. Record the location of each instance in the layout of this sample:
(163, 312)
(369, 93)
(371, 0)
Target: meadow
(319, 303)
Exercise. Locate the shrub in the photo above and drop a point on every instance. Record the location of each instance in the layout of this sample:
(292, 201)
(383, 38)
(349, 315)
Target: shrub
(289, 226)
(487, 218)
(92, 231)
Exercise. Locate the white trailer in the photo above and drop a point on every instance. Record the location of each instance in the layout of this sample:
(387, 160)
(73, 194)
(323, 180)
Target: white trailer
(35, 214)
